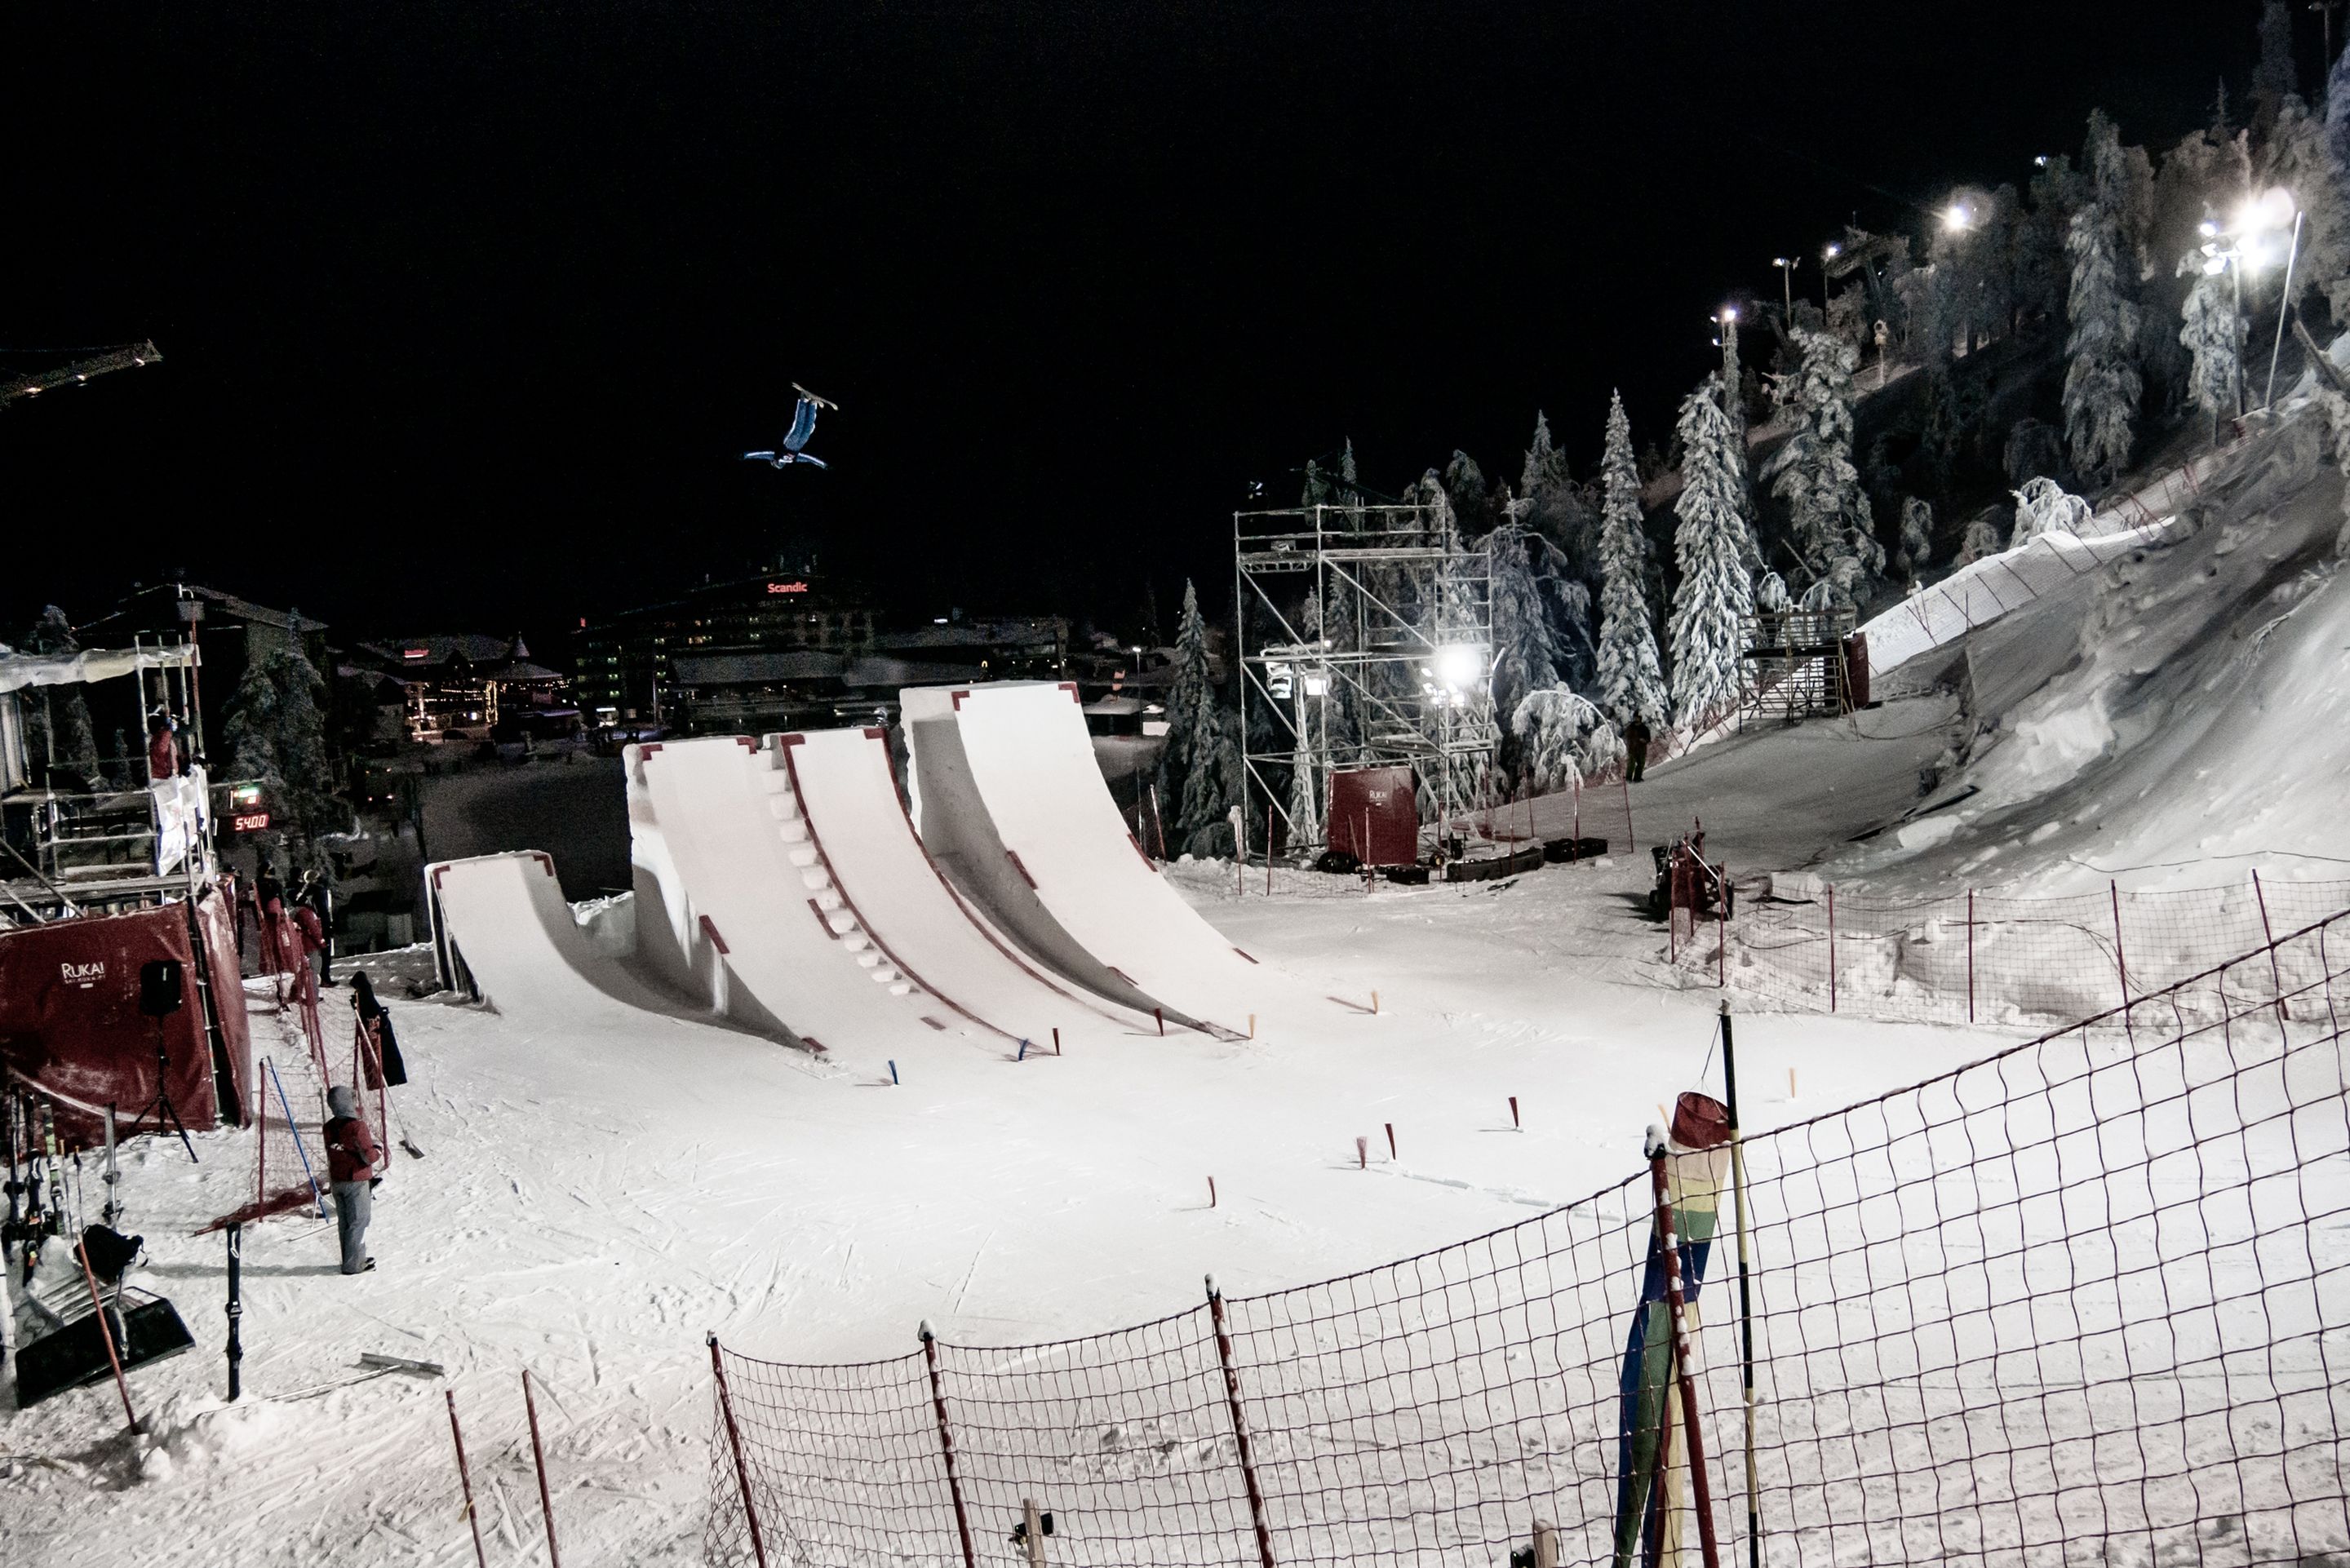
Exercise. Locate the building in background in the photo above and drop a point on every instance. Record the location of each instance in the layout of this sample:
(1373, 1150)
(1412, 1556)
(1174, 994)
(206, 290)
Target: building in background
(789, 651)
(470, 687)
(226, 628)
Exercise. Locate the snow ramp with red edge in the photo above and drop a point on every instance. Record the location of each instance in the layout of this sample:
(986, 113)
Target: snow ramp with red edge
(1010, 799)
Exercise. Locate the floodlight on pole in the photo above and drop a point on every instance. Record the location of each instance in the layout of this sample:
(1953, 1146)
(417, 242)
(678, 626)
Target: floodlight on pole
(1786, 266)
(1956, 217)
(1460, 664)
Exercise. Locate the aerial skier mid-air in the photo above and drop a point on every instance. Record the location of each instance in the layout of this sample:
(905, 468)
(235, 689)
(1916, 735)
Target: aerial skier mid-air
(802, 427)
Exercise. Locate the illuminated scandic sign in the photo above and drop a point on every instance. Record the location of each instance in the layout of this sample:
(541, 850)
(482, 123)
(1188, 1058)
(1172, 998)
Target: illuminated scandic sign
(787, 587)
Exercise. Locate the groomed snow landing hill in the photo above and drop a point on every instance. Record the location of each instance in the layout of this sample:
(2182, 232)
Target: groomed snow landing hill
(2179, 718)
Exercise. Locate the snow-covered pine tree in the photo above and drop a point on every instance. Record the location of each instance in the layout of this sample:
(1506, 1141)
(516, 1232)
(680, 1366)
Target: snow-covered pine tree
(1734, 402)
(2300, 157)
(1771, 595)
(1917, 535)
(2043, 506)
(1525, 654)
(1464, 488)
(277, 733)
(1981, 539)
(60, 734)
(1812, 471)
(2213, 338)
(1189, 679)
(1213, 785)
(2102, 384)
(1715, 596)
(1316, 491)
(1553, 726)
(1631, 681)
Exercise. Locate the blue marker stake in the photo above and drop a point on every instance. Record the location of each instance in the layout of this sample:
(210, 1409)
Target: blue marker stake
(1024, 1052)
(893, 1072)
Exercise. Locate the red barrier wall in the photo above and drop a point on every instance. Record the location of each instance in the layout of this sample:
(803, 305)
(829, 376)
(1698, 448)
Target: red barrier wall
(70, 1025)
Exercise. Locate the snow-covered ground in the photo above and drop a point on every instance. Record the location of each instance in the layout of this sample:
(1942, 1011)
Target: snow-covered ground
(593, 1203)
(590, 1207)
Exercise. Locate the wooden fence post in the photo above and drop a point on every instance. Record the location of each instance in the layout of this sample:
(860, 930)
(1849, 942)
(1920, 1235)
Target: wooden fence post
(734, 1441)
(946, 1447)
(1240, 1425)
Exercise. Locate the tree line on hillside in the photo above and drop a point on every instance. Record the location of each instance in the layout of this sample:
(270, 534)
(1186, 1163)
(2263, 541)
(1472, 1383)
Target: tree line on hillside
(2046, 340)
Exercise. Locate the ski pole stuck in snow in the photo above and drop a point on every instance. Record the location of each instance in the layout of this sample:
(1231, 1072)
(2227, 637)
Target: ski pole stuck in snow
(1023, 1055)
(893, 1071)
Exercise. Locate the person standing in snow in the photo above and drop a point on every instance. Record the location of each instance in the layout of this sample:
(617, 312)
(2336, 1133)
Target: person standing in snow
(384, 1062)
(1636, 748)
(309, 929)
(351, 1160)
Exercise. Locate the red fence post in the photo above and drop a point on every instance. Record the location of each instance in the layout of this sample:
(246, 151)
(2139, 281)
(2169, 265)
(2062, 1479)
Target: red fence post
(538, 1458)
(466, 1480)
(1971, 955)
(1669, 1248)
(734, 1440)
(1239, 1425)
(1832, 978)
(946, 1447)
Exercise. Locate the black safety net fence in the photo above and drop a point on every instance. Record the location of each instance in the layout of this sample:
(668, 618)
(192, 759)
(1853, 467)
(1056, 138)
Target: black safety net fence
(1973, 957)
(2087, 1300)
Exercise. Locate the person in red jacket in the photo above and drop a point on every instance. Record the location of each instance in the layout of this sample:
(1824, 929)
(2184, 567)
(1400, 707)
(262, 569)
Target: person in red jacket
(351, 1160)
(310, 929)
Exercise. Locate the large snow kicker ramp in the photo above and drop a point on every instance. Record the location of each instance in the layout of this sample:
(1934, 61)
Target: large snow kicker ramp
(739, 901)
(504, 922)
(897, 894)
(1010, 798)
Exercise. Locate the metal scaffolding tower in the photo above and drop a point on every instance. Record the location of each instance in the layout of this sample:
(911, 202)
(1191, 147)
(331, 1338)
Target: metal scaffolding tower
(1363, 636)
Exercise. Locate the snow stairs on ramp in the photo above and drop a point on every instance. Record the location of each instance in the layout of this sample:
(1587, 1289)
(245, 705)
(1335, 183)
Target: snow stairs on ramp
(738, 903)
(896, 895)
(1009, 798)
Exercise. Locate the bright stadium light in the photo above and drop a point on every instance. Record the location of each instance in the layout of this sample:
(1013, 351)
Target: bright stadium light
(1956, 216)
(1461, 663)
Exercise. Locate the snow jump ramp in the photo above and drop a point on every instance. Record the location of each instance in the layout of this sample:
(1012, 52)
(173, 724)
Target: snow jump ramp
(502, 920)
(1009, 798)
(783, 881)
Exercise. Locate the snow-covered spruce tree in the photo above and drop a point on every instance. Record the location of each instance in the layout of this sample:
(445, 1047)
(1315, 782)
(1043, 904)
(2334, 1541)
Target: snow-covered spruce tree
(2213, 338)
(2043, 506)
(1813, 472)
(1771, 595)
(2300, 157)
(1464, 488)
(1525, 653)
(1733, 401)
(60, 730)
(1917, 535)
(1631, 681)
(277, 733)
(1715, 596)
(1981, 539)
(1190, 680)
(1553, 726)
(2102, 384)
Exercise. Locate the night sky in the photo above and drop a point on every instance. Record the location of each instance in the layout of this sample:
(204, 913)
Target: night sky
(468, 308)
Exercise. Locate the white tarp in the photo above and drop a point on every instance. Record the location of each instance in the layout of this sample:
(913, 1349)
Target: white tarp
(19, 670)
